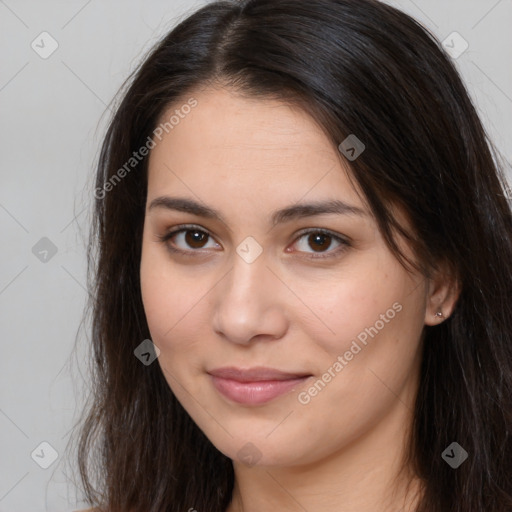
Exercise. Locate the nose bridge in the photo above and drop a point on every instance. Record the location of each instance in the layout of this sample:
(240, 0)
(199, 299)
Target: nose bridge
(247, 304)
(248, 278)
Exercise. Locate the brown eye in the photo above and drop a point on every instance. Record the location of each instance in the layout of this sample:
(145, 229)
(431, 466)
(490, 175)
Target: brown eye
(320, 241)
(188, 239)
(195, 238)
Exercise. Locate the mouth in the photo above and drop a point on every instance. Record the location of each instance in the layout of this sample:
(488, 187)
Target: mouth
(254, 386)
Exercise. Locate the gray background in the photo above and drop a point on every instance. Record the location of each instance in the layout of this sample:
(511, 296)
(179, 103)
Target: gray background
(53, 115)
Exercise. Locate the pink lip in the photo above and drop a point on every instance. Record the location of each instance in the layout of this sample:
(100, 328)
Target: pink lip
(254, 385)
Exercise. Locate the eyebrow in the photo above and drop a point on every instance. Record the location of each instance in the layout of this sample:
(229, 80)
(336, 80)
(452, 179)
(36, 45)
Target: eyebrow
(293, 212)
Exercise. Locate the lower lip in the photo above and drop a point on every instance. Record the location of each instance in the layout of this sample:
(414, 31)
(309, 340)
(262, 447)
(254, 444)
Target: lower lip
(254, 393)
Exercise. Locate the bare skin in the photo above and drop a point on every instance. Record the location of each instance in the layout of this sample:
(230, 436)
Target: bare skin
(207, 307)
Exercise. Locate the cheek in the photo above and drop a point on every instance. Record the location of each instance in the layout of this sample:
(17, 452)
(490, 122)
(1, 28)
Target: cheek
(163, 304)
(377, 322)
(354, 304)
(174, 302)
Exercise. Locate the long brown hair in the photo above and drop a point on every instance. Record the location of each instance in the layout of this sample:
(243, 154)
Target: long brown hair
(358, 67)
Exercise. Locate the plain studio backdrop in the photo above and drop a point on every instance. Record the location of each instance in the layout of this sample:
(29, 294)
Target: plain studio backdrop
(62, 62)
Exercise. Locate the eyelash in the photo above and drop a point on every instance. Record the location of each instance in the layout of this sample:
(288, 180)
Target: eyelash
(190, 227)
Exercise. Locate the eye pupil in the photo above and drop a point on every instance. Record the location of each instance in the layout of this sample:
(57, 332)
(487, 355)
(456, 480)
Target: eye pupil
(197, 237)
(320, 238)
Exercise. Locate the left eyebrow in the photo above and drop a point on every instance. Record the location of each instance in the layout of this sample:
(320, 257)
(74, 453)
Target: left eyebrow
(283, 215)
(302, 210)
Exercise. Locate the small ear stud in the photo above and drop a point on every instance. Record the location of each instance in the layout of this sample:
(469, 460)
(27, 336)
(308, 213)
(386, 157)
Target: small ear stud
(439, 314)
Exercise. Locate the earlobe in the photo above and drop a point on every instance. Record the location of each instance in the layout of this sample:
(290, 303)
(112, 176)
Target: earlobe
(442, 295)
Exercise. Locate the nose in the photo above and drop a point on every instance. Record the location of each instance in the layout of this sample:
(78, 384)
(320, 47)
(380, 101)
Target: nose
(250, 303)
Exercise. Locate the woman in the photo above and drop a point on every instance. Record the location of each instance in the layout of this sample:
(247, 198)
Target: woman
(303, 272)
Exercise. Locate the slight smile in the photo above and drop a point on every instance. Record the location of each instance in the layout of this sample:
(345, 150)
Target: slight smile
(254, 386)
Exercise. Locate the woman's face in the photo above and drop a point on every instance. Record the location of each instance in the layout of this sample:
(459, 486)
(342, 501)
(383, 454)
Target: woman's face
(243, 292)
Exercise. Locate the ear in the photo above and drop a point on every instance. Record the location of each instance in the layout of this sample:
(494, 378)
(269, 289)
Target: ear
(442, 292)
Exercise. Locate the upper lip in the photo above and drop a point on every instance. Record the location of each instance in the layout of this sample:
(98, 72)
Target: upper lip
(255, 374)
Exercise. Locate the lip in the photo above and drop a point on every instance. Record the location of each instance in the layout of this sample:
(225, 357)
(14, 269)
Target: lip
(257, 385)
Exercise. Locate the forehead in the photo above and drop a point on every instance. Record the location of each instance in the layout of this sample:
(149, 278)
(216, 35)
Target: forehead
(247, 147)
